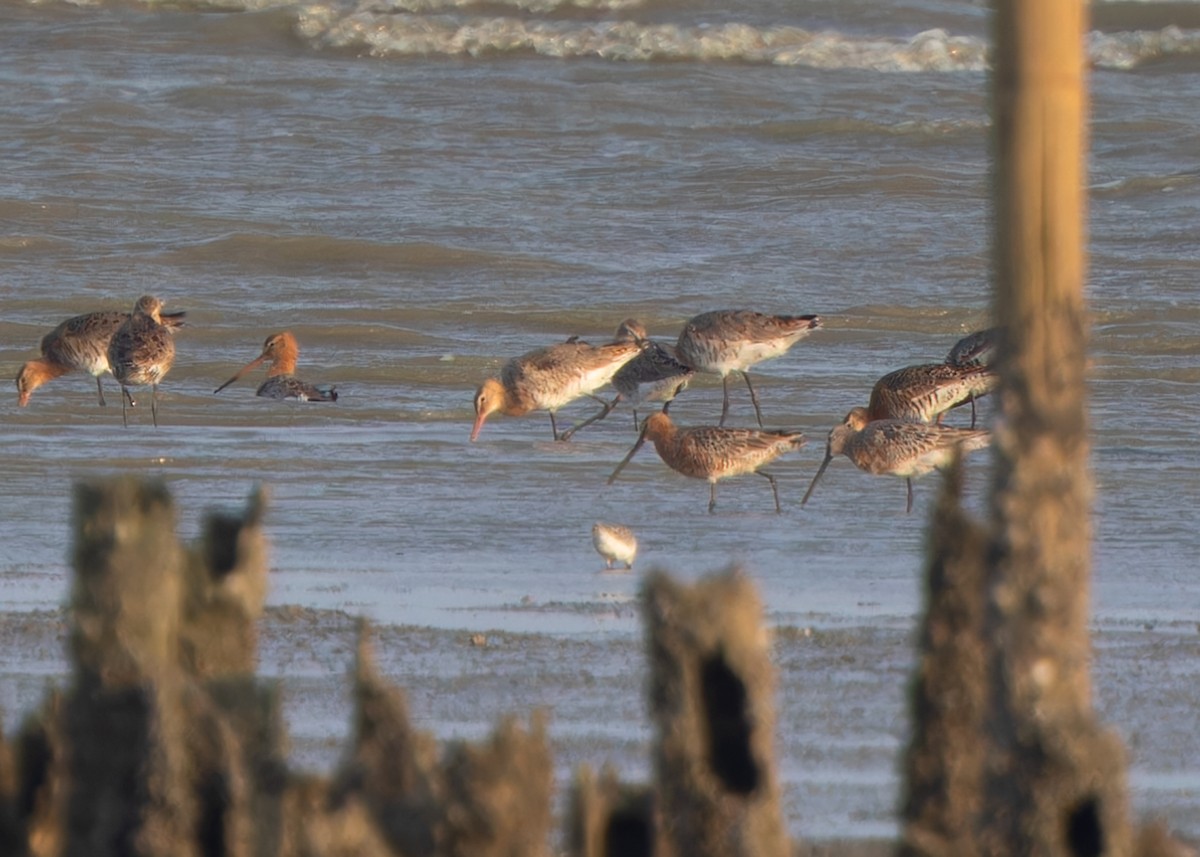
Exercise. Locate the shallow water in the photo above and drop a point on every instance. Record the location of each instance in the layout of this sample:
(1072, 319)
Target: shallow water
(420, 191)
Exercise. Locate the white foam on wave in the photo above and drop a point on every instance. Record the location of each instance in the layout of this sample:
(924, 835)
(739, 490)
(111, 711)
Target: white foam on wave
(403, 34)
(1124, 51)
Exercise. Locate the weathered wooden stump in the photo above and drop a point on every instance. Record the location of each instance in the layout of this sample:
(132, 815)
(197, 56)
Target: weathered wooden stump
(711, 700)
(607, 818)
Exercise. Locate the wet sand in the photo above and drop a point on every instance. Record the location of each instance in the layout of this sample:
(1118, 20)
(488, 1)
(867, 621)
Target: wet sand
(841, 697)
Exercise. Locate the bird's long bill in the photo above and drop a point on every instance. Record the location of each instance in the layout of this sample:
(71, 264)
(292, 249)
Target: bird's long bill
(820, 470)
(255, 362)
(632, 452)
(479, 418)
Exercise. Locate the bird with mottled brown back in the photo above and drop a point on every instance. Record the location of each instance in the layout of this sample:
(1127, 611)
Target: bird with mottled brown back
(724, 341)
(141, 353)
(927, 391)
(79, 344)
(896, 447)
(714, 452)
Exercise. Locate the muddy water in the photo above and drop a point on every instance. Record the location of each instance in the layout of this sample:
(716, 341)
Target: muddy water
(419, 193)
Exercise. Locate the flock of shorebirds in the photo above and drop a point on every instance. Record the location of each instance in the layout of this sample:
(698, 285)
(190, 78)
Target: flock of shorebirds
(138, 348)
(898, 433)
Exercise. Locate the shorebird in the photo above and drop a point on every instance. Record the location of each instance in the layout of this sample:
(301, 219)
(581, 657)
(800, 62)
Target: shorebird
(548, 378)
(79, 344)
(926, 392)
(725, 341)
(896, 447)
(714, 452)
(976, 349)
(141, 352)
(615, 543)
(281, 349)
(654, 375)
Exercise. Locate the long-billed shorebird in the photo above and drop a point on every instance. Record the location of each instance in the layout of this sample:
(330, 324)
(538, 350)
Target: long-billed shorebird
(615, 543)
(976, 349)
(550, 377)
(896, 447)
(141, 352)
(79, 344)
(282, 351)
(654, 375)
(725, 341)
(926, 392)
(714, 452)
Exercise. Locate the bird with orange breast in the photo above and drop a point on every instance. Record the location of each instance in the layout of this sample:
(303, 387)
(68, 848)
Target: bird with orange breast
(896, 447)
(714, 453)
(282, 351)
(548, 378)
(141, 353)
(79, 344)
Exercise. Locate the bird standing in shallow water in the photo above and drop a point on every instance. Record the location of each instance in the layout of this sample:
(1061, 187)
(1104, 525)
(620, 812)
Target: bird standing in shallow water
(141, 353)
(281, 349)
(725, 341)
(615, 543)
(548, 378)
(714, 452)
(924, 393)
(896, 447)
(79, 344)
(654, 375)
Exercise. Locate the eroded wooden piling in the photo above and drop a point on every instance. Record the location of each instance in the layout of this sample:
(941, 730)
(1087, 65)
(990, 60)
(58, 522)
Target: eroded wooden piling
(712, 702)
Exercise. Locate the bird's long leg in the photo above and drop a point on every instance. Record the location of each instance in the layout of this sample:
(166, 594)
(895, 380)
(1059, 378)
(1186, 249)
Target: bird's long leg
(753, 398)
(725, 403)
(712, 497)
(553, 426)
(774, 490)
(154, 403)
(100, 392)
(129, 396)
(972, 412)
(604, 412)
(124, 419)
(908, 509)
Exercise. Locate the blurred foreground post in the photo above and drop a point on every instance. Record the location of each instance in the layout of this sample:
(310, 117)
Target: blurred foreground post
(1005, 648)
(712, 701)
(1056, 779)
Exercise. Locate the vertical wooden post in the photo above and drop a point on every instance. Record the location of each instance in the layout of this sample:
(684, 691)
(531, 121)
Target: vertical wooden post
(944, 764)
(1056, 781)
(712, 701)
(124, 720)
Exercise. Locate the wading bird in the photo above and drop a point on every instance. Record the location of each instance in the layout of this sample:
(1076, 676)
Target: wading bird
(79, 344)
(615, 543)
(896, 447)
(141, 353)
(725, 341)
(714, 452)
(548, 378)
(925, 393)
(282, 351)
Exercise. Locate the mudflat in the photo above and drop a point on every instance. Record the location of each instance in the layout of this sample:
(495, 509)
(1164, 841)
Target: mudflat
(841, 697)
